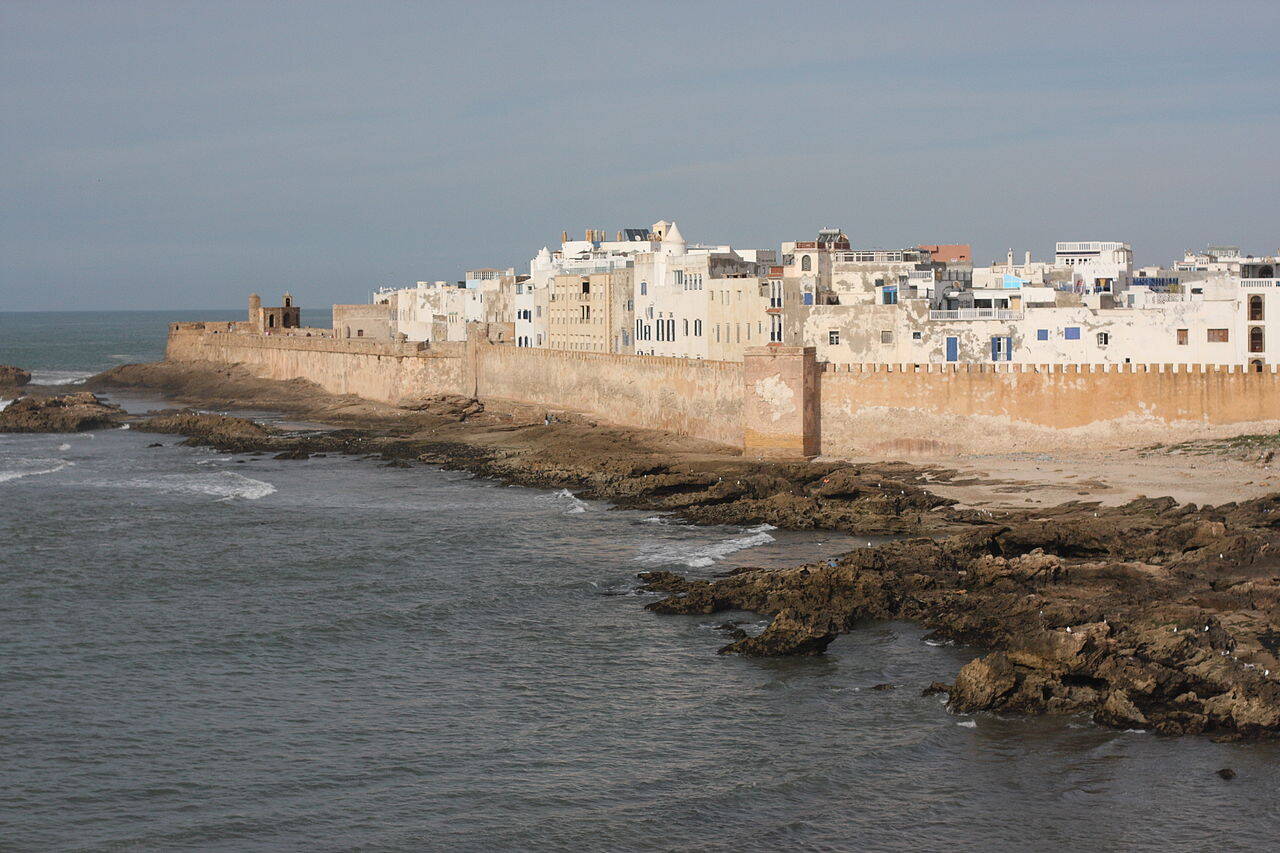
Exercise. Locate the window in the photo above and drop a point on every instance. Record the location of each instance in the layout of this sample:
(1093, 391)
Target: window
(1257, 340)
(717, 333)
(644, 288)
(775, 329)
(586, 287)
(1182, 337)
(697, 328)
(1256, 314)
(806, 263)
(685, 327)
(889, 296)
(1103, 339)
(833, 337)
(915, 336)
(639, 331)
(1001, 348)
(359, 333)
(808, 298)
(538, 308)
(539, 339)
(679, 276)
(1219, 336)
(1071, 333)
(886, 336)
(1042, 334)
(671, 330)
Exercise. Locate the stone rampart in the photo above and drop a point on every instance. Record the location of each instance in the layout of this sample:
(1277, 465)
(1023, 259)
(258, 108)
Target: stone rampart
(779, 402)
(385, 371)
(1002, 407)
(687, 396)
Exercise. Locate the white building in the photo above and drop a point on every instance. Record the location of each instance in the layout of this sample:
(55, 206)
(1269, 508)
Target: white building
(1096, 266)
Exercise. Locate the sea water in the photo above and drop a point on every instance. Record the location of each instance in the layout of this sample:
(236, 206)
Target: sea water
(232, 652)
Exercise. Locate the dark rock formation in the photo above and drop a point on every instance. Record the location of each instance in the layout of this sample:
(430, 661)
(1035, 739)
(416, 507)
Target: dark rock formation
(13, 377)
(1145, 616)
(67, 413)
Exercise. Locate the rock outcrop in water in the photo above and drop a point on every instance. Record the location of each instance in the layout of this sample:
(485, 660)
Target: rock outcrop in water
(66, 413)
(1149, 615)
(13, 377)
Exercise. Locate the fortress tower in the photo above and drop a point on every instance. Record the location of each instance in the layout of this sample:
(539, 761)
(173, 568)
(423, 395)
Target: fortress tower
(287, 316)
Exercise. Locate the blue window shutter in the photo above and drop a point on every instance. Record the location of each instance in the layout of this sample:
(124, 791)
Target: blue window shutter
(1072, 333)
(1008, 349)
(1042, 334)
(995, 349)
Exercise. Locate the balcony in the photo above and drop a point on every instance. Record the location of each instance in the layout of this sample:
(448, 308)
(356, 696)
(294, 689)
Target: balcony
(976, 314)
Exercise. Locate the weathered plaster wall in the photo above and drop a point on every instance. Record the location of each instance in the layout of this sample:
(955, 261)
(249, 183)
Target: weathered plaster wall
(688, 396)
(998, 408)
(780, 402)
(376, 370)
(697, 398)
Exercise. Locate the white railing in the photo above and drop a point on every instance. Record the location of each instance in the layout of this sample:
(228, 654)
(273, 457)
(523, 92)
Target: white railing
(1258, 282)
(976, 314)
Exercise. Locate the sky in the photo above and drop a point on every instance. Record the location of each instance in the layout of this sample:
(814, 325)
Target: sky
(180, 155)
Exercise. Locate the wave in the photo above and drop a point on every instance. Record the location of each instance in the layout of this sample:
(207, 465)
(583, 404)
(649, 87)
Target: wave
(64, 447)
(59, 377)
(4, 403)
(224, 485)
(31, 468)
(701, 556)
(575, 505)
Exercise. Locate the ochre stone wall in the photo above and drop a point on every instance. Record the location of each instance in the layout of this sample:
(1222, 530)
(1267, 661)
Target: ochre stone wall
(698, 398)
(779, 402)
(688, 396)
(975, 407)
(376, 370)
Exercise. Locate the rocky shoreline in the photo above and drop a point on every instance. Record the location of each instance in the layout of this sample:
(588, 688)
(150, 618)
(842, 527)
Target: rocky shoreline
(1153, 615)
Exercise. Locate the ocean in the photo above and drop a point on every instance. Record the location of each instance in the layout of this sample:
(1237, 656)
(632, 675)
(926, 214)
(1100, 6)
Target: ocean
(219, 652)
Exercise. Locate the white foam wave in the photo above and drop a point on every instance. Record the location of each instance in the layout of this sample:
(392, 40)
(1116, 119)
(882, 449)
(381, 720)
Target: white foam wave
(59, 377)
(4, 404)
(701, 556)
(575, 505)
(224, 485)
(64, 447)
(34, 468)
(968, 724)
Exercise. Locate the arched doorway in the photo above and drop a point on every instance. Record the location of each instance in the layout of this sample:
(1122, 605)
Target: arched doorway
(1257, 309)
(1256, 365)
(1257, 339)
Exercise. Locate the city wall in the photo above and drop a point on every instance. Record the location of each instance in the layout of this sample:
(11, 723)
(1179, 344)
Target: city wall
(1003, 407)
(376, 370)
(698, 398)
(780, 402)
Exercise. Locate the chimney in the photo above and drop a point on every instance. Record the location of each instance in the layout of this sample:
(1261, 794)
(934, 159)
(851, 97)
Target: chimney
(1027, 262)
(564, 236)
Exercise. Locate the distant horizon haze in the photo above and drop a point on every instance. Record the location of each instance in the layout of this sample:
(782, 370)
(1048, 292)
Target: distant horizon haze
(168, 155)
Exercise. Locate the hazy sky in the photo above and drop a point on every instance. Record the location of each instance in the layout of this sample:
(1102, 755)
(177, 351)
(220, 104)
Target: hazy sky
(178, 155)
